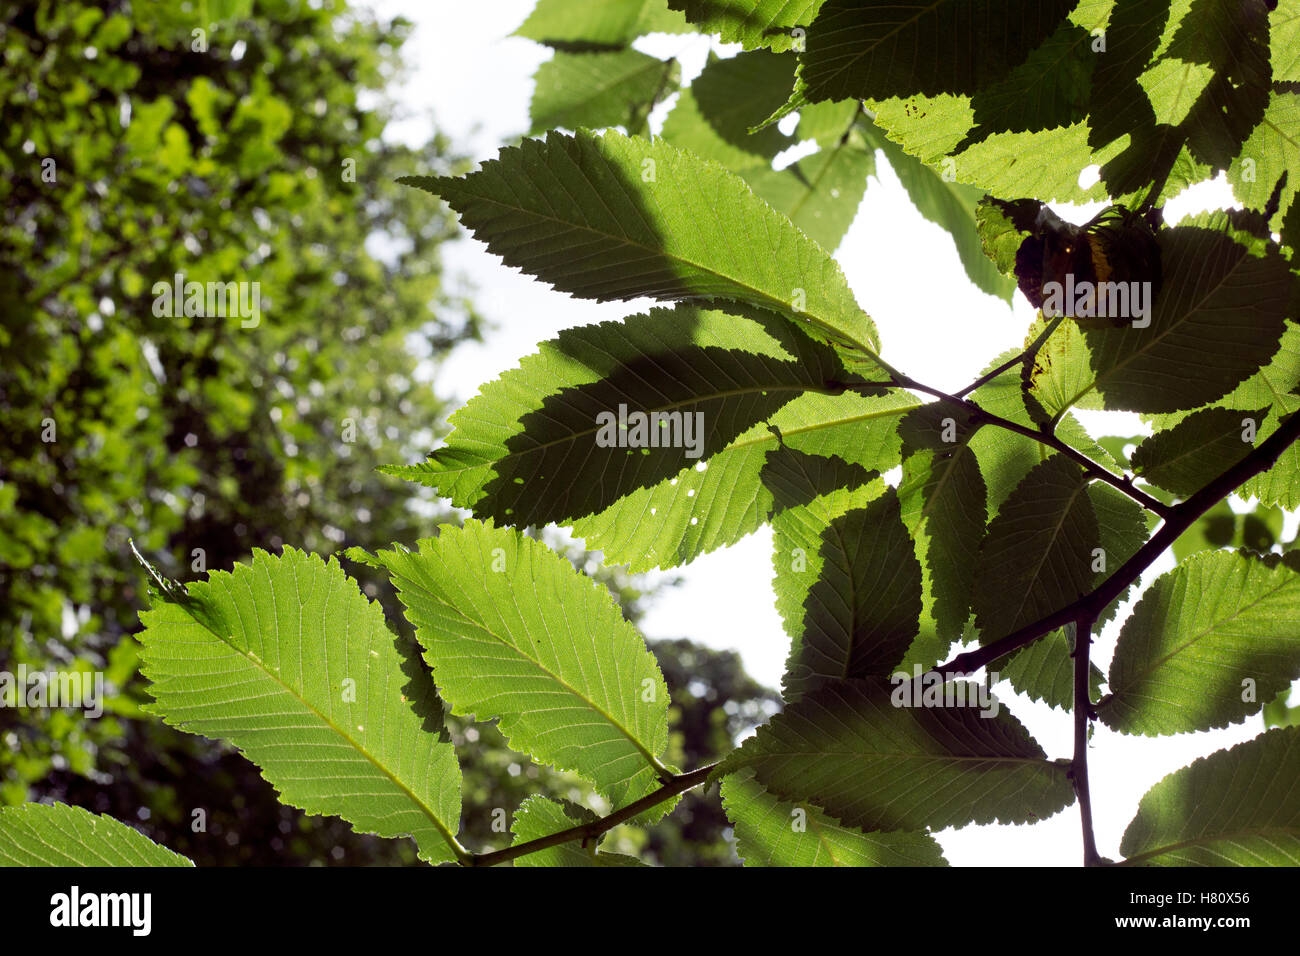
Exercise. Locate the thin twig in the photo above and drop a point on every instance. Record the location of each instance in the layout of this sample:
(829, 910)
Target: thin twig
(1025, 356)
(979, 416)
(590, 831)
(1180, 518)
(1082, 714)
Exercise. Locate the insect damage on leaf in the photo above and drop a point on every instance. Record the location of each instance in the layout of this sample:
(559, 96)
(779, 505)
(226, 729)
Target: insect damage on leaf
(1105, 273)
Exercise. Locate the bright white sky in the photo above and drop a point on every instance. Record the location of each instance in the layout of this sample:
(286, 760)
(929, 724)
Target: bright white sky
(477, 81)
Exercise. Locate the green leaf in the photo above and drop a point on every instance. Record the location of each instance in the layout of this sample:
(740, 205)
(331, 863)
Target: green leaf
(1278, 714)
(932, 129)
(861, 615)
(1275, 384)
(944, 506)
(1284, 37)
(950, 205)
(752, 23)
(1208, 645)
(513, 631)
(1173, 86)
(1050, 88)
(703, 509)
(539, 817)
(847, 749)
(1004, 457)
(1117, 102)
(1036, 108)
(1044, 670)
(1236, 807)
(599, 23)
(1037, 557)
(1060, 374)
(809, 492)
(1185, 458)
(613, 217)
(1272, 385)
(286, 660)
(876, 50)
(1271, 151)
(1217, 320)
(538, 445)
(1000, 237)
(773, 832)
(598, 89)
(1136, 100)
(38, 834)
(729, 97)
(820, 193)
(1215, 529)
(1115, 445)
(1123, 529)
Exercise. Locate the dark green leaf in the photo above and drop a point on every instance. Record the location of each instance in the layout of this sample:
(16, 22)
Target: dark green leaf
(1236, 807)
(849, 750)
(1208, 645)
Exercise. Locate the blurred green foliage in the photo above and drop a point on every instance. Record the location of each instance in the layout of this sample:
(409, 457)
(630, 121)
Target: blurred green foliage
(229, 141)
(142, 141)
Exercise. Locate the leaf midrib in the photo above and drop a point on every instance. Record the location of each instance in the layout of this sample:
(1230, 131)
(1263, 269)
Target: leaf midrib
(777, 305)
(1210, 840)
(1142, 673)
(1133, 354)
(654, 763)
(764, 437)
(594, 93)
(261, 666)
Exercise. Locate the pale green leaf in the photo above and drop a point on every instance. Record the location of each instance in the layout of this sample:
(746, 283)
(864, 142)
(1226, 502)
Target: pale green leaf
(1060, 374)
(599, 23)
(950, 205)
(612, 217)
(38, 834)
(820, 193)
(285, 659)
(1284, 38)
(514, 632)
(1236, 807)
(533, 446)
(603, 88)
(1173, 86)
(752, 23)
(1208, 645)
(715, 114)
(1277, 713)
(1271, 152)
(539, 817)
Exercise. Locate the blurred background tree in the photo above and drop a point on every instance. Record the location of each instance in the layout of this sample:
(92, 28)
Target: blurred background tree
(232, 141)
